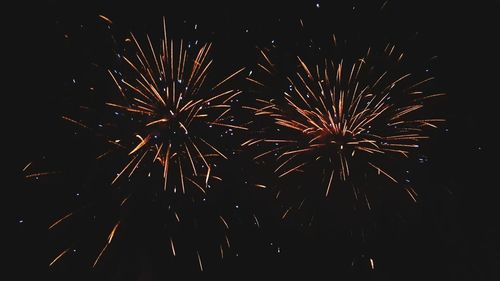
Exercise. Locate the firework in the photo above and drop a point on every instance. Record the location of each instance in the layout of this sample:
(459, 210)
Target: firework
(170, 104)
(344, 115)
(165, 113)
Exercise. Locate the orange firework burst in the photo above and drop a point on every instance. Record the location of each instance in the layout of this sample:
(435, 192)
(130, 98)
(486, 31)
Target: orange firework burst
(344, 113)
(171, 106)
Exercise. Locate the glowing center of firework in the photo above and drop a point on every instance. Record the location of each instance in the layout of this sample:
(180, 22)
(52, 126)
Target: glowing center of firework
(168, 128)
(337, 142)
(341, 143)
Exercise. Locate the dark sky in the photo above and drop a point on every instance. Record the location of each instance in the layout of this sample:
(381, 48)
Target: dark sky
(450, 234)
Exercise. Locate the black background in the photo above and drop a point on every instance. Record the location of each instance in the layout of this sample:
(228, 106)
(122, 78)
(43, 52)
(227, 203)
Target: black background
(451, 234)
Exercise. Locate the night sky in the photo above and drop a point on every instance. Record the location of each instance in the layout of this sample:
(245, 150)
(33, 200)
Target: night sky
(451, 233)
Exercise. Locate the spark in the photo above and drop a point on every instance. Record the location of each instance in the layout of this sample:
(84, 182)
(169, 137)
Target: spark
(286, 213)
(224, 221)
(35, 175)
(27, 166)
(256, 221)
(172, 246)
(75, 122)
(106, 19)
(60, 220)
(59, 256)
(199, 261)
(227, 242)
(412, 193)
(110, 239)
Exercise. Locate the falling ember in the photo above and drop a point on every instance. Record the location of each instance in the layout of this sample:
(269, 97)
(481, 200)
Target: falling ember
(286, 213)
(41, 174)
(224, 222)
(172, 246)
(27, 166)
(256, 221)
(106, 19)
(412, 194)
(59, 256)
(344, 116)
(110, 239)
(199, 261)
(75, 122)
(60, 220)
(372, 264)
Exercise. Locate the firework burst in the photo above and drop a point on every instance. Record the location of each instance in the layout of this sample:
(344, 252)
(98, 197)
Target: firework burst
(170, 104)
(344, 115)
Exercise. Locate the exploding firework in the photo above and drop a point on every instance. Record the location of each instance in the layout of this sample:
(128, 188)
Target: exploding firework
(170, 104)
(162, 119)
(345, 117)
